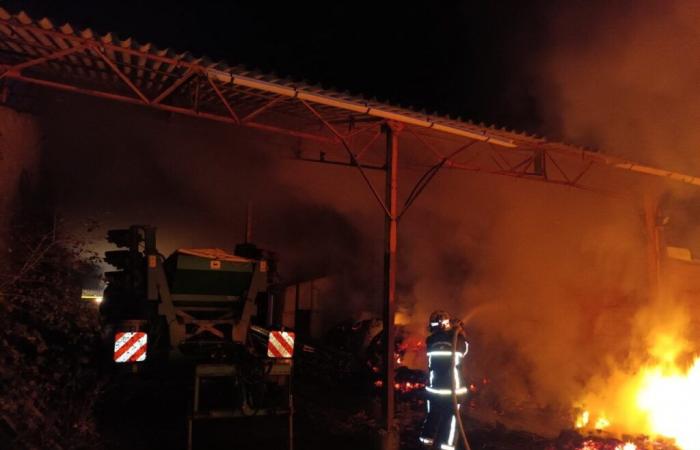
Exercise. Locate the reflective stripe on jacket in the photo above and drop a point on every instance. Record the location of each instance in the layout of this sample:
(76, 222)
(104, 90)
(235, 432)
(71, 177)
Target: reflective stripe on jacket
(445, 364)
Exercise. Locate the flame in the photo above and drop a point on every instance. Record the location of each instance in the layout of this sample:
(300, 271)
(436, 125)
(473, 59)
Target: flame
(582, 419)
(661, 398)
(626, 446)
(602, 423)
(589, 445)
(671, 399)
(594, 445)
(407, 386)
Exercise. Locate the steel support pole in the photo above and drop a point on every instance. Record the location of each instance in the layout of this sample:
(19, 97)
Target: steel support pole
(391, 235)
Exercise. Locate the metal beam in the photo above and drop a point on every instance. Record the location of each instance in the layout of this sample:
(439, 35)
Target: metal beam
(557, 166)
(120, 74)
(224, 100)
(377, 124)
(391, 238)
(519, 176)
(580, 175)
(428, 145)
(16, 69)
(176, 84)
(347, 148)
(226, 77)
(498, 169)
(323, 160)
(368, 145)
(263, 108)
(170, 108)
(425, 179)
(444, 127)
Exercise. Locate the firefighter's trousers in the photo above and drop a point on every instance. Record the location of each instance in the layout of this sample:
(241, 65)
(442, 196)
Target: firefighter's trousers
(440, 430)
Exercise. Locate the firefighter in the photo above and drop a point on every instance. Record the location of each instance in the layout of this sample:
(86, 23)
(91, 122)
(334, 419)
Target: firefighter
(444, 368)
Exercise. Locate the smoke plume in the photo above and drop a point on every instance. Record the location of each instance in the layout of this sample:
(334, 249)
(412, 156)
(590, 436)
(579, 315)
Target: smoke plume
(553, 283)
(575, 313)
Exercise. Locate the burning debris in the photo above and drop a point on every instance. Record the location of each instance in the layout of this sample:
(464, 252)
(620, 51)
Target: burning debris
(572, 440)
(658, 392)
(584, 421)
(663, 398)
(352, 351)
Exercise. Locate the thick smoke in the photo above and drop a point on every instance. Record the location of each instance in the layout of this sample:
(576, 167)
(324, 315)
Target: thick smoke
(546, 279)
(552, 282)
(622, 77)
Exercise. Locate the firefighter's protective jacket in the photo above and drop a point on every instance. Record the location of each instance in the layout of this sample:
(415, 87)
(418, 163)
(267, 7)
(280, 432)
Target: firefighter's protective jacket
(439, 430)
(445, 363)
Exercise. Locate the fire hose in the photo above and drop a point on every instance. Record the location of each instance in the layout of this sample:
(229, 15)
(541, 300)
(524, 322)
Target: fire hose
(455, 403)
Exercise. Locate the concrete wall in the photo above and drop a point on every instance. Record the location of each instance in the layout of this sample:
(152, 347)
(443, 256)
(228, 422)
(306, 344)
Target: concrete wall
(20, 140)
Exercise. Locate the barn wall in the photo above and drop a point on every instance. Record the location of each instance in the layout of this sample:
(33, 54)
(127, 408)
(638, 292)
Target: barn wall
(20, 140)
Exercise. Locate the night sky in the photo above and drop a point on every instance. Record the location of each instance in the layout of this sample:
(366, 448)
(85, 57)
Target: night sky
(474, 60)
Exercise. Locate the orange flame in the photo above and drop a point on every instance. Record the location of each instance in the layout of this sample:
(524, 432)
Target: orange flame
(659, 399)
(670, 398)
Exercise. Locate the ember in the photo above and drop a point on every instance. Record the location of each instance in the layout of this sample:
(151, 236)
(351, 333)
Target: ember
(408, 387)
(603, 445)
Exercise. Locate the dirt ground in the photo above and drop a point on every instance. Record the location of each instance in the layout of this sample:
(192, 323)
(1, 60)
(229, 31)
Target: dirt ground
(142, 413)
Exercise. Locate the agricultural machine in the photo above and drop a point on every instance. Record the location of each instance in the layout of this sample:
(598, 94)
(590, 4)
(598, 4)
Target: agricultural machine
(207, 309)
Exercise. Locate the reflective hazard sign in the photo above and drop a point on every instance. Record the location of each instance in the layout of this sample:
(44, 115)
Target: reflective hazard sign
(130, 346)
(280, 344)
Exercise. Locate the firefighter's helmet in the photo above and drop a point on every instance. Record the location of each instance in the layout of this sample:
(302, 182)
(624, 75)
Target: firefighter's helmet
(439, 320)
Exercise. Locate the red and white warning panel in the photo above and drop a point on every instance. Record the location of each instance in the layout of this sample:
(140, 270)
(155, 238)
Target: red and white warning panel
(130, 346)
(280, 344)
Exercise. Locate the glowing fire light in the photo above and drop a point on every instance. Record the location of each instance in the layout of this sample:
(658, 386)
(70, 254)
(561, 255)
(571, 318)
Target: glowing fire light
(593, 445)
(407, 386)
(403, 387)
(582, 419)
(589, 445)
(670, 399)
(659, 399)
(602, 423)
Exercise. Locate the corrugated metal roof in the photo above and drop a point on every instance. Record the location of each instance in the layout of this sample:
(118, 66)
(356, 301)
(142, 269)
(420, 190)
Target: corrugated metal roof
(61, 57)
(153, 70)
